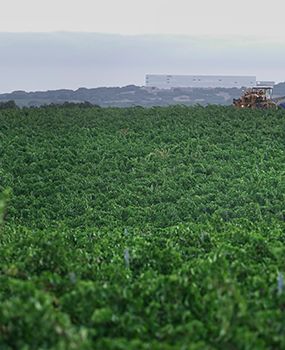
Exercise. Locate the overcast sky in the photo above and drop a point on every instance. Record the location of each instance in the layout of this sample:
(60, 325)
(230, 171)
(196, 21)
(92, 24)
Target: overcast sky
(219, 17)
(241, 37)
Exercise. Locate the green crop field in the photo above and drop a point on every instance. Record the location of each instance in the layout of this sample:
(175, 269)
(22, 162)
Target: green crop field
(152, 229)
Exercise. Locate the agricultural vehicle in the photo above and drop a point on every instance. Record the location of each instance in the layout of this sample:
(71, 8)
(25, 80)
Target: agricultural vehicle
(259, 97)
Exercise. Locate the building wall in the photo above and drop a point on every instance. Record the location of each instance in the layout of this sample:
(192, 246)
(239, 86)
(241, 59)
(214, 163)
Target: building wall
(265, 83)
(199, 81)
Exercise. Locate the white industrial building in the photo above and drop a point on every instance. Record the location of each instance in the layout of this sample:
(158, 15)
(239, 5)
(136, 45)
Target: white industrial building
(265, 83)
(162, 81)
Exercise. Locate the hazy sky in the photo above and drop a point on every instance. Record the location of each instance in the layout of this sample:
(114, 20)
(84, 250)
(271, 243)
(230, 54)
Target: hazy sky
(52, 44)
(200, 17)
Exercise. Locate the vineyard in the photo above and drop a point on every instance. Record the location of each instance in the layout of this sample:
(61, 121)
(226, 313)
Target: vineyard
(156, 229)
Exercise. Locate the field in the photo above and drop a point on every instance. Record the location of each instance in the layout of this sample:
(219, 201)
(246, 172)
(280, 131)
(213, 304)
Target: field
(159, 228)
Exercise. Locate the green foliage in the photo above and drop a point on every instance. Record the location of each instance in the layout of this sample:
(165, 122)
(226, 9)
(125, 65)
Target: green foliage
(8, 105)
(4, 197)
(137, 228)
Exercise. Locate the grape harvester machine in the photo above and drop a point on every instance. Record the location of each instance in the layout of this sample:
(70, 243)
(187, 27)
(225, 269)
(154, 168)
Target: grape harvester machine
(259, 97)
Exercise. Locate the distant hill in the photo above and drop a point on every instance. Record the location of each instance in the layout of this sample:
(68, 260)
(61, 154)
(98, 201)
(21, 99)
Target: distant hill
(279, 89)
(123, 97)
(130, 95)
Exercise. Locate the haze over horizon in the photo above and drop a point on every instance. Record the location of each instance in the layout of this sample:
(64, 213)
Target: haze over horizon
(59, 44)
